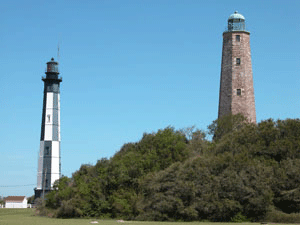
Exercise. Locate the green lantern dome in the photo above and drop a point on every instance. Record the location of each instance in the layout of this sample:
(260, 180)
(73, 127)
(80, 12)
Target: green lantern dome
(236, 22)
(236, 16)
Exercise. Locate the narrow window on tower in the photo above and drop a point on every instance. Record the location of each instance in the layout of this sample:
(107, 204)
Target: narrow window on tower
(238, 38)
(238, 92)
(238, 61)
(47, 151)
(48, 117)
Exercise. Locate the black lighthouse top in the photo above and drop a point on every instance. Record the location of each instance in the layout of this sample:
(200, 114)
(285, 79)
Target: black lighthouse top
(52, 71)
(52, 66)
(236, 22)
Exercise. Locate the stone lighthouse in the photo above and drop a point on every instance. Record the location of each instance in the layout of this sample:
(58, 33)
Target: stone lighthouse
(49, 154)
(236, 86)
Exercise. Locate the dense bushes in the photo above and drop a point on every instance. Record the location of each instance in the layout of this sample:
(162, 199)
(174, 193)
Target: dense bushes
(248, 172)
(276, 216)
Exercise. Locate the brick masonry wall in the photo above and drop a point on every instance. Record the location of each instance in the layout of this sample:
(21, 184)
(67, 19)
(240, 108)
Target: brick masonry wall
(234, 76)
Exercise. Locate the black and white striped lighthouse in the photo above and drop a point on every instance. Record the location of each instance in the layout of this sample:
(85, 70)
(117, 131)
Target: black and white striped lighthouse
(49, 169)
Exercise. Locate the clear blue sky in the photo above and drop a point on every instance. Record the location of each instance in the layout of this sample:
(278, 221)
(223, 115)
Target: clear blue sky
(131, 67)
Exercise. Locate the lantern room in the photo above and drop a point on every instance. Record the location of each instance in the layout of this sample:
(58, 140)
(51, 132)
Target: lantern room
(236, 22)
(52, 66)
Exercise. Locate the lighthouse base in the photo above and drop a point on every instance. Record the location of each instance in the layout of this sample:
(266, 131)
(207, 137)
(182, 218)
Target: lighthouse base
(39, 193)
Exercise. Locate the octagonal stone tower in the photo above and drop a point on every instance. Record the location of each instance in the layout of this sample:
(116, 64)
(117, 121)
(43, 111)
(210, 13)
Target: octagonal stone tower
(236, 86)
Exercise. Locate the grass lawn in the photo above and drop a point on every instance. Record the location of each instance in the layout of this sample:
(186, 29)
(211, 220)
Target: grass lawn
(27, 217)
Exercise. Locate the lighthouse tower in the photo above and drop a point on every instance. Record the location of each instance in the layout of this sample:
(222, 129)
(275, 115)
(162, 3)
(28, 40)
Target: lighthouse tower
(49, 154)
(236, 88)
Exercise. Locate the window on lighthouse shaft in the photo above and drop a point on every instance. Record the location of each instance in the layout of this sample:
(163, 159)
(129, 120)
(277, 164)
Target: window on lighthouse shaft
(47, 150)
(238, 61)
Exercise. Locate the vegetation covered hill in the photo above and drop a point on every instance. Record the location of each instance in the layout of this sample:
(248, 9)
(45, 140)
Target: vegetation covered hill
(247, 172)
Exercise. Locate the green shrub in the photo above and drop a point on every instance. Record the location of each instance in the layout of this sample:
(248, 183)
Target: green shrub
(68, 210)
(239, 218)
(276, 216)
(41, 208)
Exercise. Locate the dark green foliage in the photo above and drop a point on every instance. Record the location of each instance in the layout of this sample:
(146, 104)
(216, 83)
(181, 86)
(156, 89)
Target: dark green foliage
(276, 216)
(227, 124)
(111, 187)
(209, 188)
(248, 172)
(68, 210)
(239, 218)
(30, 200)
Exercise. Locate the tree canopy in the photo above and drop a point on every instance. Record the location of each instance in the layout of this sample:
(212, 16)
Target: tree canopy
(247, 172)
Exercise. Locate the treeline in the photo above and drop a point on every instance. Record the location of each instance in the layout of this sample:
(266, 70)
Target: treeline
(248, 172)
